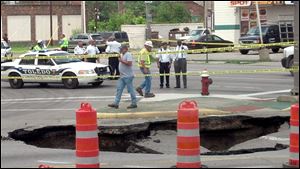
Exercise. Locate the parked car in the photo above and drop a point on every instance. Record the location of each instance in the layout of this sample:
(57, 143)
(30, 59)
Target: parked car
(288, 58)
(85, 38)
(71, 72)
(196, 33)
(192, 42)
(120, 37)
(5, 51)
(270, 34)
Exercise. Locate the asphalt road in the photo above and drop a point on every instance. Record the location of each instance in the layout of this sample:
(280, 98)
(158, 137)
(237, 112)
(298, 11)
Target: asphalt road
(34, 106)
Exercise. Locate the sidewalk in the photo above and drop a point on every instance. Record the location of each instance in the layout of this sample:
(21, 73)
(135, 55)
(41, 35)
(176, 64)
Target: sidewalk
(165, 106)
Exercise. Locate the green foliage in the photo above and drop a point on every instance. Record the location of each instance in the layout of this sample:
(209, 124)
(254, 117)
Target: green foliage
(171, 12)
(111, 20)
(116, 20)
(76, 31)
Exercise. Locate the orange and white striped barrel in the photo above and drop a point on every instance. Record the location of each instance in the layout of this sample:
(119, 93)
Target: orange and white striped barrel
(294, 136)
(87, 142)
(188, 136)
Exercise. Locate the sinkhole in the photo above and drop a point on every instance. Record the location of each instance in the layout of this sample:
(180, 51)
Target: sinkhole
(218, 135)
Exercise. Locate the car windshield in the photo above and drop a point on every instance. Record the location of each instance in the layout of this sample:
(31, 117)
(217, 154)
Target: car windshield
(64, 60)
(97, 37)
(106, 35)
(196, 37)
(255, 31)
(196, 32)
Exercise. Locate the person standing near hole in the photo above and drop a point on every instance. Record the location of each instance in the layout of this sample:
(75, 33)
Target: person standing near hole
(164, 65)
(180, 64)
(113, 47)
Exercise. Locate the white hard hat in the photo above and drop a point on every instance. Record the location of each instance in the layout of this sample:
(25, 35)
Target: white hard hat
(39, 41)
(149, 43)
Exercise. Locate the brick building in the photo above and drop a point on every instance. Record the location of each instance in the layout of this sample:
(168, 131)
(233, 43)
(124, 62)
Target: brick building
(28, 21)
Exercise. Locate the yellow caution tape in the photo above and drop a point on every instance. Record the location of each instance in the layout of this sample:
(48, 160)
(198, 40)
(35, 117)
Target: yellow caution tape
(196, 73)
(229, 44)
(137, 54)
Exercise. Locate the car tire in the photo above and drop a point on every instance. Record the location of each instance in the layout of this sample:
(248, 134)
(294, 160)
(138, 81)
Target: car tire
(44, 84)
(244, 52)
(275, 50)
(97, 84)
(70, 83)
(291, 64)
(16, 83)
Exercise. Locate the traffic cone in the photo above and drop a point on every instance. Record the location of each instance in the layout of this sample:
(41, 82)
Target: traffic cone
(294, 138)
(188, 136)
(87, 142)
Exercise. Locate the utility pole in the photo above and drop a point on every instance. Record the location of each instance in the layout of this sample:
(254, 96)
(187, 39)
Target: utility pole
(83, 16)
(148, 17)
(51, 23)
(295, 90)
(264, 54)
(205, 14)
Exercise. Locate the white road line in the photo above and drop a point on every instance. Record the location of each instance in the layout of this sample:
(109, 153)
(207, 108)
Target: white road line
(262, 166)
(22, 110)
(266, 93)
(63, 98)
(53, 162)
(272, 138)
(58, 98)
(136, 166)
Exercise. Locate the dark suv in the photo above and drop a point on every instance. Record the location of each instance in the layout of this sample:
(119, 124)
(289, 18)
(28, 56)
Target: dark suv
(85, 38)
(119, 36)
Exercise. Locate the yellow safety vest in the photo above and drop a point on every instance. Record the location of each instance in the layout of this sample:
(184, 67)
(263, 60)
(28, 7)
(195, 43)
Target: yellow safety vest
(65, 42)
(37, 48)
(144, 53)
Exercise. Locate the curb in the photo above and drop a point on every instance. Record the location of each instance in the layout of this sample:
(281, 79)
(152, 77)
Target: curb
(291, 99)
(158, 114)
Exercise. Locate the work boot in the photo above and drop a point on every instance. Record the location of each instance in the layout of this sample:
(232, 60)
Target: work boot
(113, 106)
(149, 95)
(132, 106)
(140, 91)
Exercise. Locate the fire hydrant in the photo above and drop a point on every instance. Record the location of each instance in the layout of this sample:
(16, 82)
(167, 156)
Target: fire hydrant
(206, 81)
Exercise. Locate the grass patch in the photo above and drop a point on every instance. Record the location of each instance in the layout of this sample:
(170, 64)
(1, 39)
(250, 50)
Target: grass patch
(241, 62)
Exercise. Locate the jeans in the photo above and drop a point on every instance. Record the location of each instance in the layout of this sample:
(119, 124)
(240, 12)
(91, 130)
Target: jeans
(122, 83)
(147, 82)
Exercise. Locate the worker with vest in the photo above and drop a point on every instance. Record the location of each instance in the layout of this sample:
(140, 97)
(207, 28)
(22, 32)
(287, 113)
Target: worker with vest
(64, 43)
(39, 46)
(144, 60)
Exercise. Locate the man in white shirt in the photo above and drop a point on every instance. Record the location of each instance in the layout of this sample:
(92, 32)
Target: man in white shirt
(113, 47)
(92, 50)
(180, 64)
(164, 64)
(79, 49)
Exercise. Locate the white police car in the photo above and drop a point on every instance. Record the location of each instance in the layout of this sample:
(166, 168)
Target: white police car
(44, 71)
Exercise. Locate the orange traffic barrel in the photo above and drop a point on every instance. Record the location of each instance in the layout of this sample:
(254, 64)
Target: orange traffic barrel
(87, 142)
(188, 136)
(294, 138)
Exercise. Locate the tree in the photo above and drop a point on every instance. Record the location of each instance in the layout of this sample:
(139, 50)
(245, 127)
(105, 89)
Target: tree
(115, 21)
(171, 12)
(110, 20)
